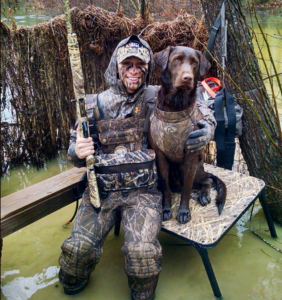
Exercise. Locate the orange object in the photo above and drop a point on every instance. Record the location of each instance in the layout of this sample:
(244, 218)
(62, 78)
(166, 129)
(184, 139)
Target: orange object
(210, 90)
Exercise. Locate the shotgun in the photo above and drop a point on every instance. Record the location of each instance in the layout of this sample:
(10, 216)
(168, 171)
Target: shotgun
(79, 92)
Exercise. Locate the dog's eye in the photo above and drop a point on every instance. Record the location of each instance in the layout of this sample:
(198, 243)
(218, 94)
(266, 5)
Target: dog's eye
(177, 59)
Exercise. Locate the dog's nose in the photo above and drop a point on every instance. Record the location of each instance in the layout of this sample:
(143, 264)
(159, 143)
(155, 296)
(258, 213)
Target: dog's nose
(187, 77)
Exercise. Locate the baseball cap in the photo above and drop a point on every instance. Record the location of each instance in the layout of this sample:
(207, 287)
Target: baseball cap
(133, 48)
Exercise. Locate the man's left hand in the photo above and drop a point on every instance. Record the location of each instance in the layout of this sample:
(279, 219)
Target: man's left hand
(199, 138)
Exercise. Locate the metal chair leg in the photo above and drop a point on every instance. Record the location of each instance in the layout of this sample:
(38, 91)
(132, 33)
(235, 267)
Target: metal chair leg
(206, 261)
(267, 213)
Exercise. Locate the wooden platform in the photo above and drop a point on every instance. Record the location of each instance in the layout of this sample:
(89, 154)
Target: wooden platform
(37, 201)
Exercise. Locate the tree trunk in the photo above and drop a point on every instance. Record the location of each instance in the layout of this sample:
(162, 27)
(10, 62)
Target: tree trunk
(263, 158)
(142, 8)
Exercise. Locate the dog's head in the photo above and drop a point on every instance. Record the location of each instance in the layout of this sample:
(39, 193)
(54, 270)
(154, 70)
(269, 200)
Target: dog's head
(181, 67)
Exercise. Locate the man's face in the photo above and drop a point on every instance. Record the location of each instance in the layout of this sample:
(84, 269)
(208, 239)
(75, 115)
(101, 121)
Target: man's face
(132, 72)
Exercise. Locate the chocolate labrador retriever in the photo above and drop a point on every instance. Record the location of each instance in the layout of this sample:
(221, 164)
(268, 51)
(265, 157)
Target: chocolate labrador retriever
(174, 117)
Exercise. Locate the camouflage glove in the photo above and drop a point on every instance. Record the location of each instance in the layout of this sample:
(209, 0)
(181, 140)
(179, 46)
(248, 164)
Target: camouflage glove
(200, 138)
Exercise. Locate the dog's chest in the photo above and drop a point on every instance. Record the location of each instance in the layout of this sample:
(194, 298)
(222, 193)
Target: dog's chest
(170, 130)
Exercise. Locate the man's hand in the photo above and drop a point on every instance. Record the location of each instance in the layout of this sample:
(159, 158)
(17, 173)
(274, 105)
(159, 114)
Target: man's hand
(83, 146)
(199, 138)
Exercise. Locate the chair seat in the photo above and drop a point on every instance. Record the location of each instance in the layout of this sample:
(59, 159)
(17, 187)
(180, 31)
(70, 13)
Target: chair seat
(207, 227)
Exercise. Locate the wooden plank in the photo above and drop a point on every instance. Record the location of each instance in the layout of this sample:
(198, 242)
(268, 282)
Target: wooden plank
(34, 213)
(40, 191)
(37, 201)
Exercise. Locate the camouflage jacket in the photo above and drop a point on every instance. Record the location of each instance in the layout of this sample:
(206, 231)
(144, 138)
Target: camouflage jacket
(117, 103)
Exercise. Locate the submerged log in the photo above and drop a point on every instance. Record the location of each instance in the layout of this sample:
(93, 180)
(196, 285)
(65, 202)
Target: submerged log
(263, 155)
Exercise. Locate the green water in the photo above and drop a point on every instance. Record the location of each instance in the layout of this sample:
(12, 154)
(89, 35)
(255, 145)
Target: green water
(23, 17)
(272, 26)
(24, 176)
(245, 267)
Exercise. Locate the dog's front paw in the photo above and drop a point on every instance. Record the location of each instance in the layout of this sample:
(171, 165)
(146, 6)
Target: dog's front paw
(204, 200)
(167, 214)
(183, 216)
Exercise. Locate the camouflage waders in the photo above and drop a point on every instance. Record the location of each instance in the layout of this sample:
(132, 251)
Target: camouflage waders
(141, 213)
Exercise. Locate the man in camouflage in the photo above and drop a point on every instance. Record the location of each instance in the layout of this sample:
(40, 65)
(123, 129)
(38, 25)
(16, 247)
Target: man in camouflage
(120, 113)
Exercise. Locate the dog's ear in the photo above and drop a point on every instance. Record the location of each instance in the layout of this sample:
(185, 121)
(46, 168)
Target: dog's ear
(161, 58)
(204, 64)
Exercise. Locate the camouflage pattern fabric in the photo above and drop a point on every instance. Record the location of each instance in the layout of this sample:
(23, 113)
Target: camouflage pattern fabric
(133, 49)
(141, 213)
(170, 130)
(123, 132)
(74, 54)
(127, 158)
(127, 133)
(120, 124)
(140, 166)
(127, 180)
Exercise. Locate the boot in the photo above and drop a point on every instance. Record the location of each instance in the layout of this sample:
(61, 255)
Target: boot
(143, 288)
(72, 285)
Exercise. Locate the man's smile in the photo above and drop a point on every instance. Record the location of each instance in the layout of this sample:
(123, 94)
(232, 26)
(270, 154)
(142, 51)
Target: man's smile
(133, 78)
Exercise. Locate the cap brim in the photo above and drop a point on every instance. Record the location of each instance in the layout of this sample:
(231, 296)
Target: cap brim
(145, 59)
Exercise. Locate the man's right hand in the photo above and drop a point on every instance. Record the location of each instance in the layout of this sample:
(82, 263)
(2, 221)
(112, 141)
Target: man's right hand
(83, 146)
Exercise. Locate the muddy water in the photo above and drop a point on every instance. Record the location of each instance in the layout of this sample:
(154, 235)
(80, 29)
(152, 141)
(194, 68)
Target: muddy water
(245, 266)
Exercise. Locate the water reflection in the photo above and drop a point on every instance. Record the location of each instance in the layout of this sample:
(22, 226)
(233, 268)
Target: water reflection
(22, 288)
(23, 18)
(23, 176)
(27, 20)
(7, 273)
(269, 287)
(242, 225)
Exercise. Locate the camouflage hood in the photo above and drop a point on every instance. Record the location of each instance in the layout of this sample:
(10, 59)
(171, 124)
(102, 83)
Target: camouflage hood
(111, 72)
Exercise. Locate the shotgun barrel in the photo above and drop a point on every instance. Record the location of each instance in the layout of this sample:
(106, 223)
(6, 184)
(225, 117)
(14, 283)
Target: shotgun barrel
(78, 86)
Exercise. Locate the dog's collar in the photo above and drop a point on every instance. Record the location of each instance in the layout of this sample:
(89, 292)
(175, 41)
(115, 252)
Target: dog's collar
(174, 117)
